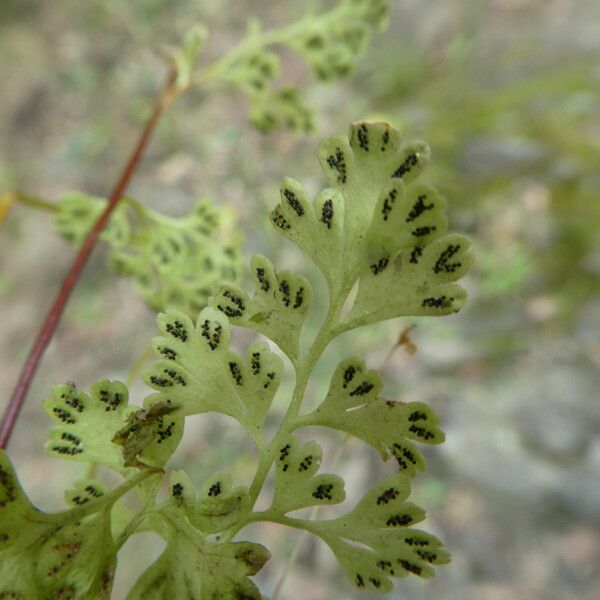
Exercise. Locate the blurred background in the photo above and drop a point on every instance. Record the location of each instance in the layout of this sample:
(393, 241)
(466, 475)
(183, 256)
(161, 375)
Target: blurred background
(507, 94)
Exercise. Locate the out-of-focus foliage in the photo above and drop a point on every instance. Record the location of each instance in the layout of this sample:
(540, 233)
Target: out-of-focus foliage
(330, 40)
(174, 262)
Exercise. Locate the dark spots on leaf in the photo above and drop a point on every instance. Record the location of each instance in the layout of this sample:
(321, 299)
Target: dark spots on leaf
(270, 378)
(380, 265)
(387, 496)
(284, 452)
(401, 520)
(8, 485)
(386, 566)
(388, 203)
(162, 382)
(177, 330)
(299, 298)
(73, 402)
(412, 541)
(442, 265)
(235, 371)
(163, 433)
(238, 308)
(415, 254)
(337, 162)
(64, 593)
(427, 555)
(68, 553)
(439, 302)
(93, 491)
(279, 220)
(404, 456)
(167, 352)
(214, 338)
(177, 490)
(215, 489)
(110, 403)
(385, 139)
(411, 161)
(327, 213)
(410, 567)
(375, 582)
(67, 450)
(323, 492)
(363, 137)
(349, 373)
(4, 537)
(364, 388)
(293, 201)
(69, 437)
(417, 416)
(421, 432)
(264, 283)
(419, 207)
(255, 363)
(423, 231)
(175, 377)
(284, 288)
(64, 415)
(306, 462)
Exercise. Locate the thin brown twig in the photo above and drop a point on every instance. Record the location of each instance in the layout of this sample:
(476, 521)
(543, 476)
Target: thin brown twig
(50, 323)
(405, 340)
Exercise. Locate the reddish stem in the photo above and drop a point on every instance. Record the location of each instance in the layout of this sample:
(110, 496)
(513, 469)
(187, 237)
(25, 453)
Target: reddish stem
(52, 319)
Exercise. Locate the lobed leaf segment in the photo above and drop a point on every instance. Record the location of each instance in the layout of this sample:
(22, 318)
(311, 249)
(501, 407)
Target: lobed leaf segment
(376, 226)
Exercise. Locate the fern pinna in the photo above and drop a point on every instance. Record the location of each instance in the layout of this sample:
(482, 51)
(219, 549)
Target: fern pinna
(377, 228)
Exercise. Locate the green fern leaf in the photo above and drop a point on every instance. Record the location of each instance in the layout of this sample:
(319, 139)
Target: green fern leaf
(296, 485)
(216, 506)
(377, 228)
(379, 225)
(200, 374)
(353, 405)
(192, 568)
(88, 425)
(174, 262)
(64, 555)
(84, 491)
(77, 214)
(278, 308)
(389, 548)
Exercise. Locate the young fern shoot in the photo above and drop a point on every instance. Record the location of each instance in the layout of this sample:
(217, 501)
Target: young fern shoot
(375, 225)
